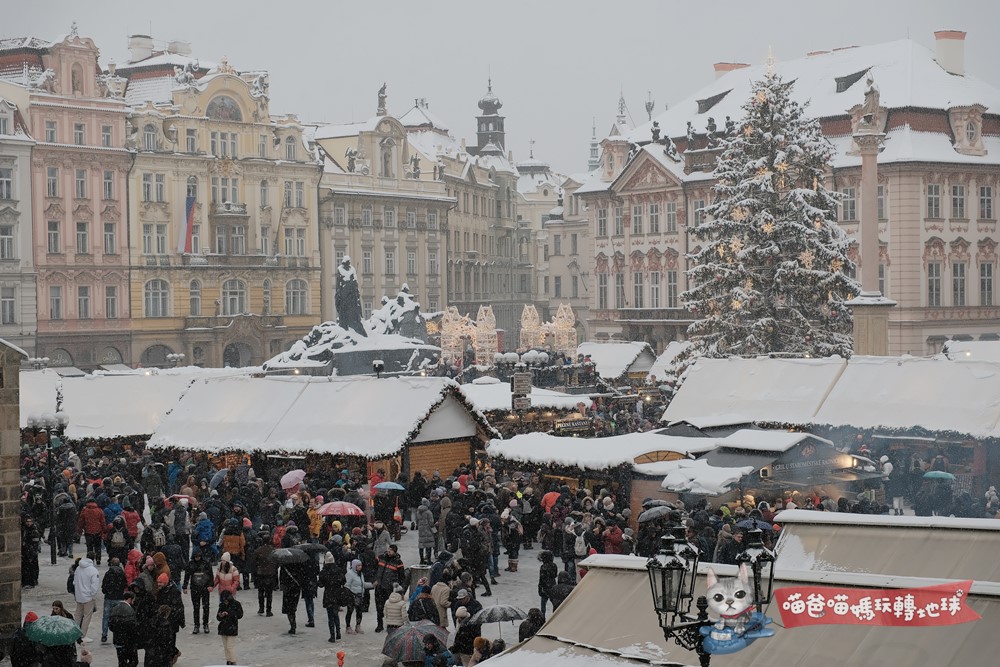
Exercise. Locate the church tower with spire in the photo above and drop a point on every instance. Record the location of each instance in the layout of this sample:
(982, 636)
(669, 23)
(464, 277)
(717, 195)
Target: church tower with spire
(489, 124)
(595, 148)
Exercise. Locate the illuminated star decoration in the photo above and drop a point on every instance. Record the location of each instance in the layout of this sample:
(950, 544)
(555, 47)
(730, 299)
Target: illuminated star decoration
(761, 96)
(782, 167)
(836, 265)
(806, 258)
(762, 172)
(747, 130)
(739, 214)
(737, 304)
(736, 245)
(767, 227)
(748, 284)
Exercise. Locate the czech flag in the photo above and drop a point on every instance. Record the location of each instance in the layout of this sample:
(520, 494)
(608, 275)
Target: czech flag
(184, 238)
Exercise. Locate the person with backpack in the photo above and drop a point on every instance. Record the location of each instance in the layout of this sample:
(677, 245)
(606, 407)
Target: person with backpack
(198, 577)
(423, 608)
(117, 539)
(179, 523)
(91, 523)
(229, 615)
(265, 573)
(113, 587)
(154, 538)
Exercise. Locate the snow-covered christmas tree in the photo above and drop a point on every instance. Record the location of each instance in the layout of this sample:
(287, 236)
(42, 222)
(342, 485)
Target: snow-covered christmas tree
(771, 276)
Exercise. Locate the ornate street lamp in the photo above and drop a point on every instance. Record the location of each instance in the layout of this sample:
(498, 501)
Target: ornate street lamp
(54, 426)
(671, 578)
(760, 560)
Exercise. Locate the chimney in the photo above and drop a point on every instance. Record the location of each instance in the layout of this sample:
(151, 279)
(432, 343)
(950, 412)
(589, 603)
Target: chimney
(140, 47)
(950, 51)
(180, 47)
(722, 68)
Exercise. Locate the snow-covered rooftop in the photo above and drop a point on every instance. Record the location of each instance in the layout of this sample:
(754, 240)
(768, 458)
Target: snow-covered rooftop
(697, 476)
(156, 89)
(593, 453)
(972, 350)
(421, 116)
(167, 59)
(905, 71)
(359, 416)
(12, 43)
(433, 143)
(766, 441)
(663, 362)
(614, 359)
(496, 395)
(736, 390)
(346, 130)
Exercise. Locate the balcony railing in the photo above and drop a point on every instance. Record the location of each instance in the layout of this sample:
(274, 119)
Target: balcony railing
(213, 259)
(229, 208)
(215, 321)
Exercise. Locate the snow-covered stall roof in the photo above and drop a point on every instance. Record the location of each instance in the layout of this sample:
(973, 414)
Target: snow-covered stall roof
(104, 406)
(489, 393)
(359, 416)
(697, 476)
(972, 350)
(906, 393)
(757, 440)
(662, 363)
(593, 453)
(719, 392)
(614, 359)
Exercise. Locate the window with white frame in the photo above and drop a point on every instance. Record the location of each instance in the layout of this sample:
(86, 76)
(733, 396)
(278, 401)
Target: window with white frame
(111, 302)
(300, 194)
(81, 183)
(147, 187)
(110, 238)
(6, 242)
(82, 238)
(958, 202)
(654, 289)
(881, 279)
(432, 263)
(880, 202)
(4, 124)
(52, 181)
(366, 216)
(265, 240)
(300, 242)
(556, 286)
(672, 289)
(161, 239)
(220, 239)
(295, 297)
(8, 305)
(6, 183)
(366, 262)
(195, 239)
(55, 302)
(109, 184)
(958, 283)
(619, 229)
(556, 244)
(637, 219)
(933, 200)
(849, 205)
(194, 298)
(106, 136)
(156, 298)
(83, 302)
(602, 291)
(575, 283)
(339, 216)
(147, 239)
(161, 187)
(390, 262)
(432, 219)
(654, 218)
(264, 193)
(986, 284)
(619, 290)
(411, 219)
(54, 236)
(389, 217)
(239, 238)
(79, 134)
(411, 263)
(50, 131)
(602, 222)
(191, 140)
(934, 284)
(149, 137)
(670, 213)
(637, 290)
(288, 194)
(986, 202)
(262, 145)
(290, 149)
(266, 296)
(234, 297)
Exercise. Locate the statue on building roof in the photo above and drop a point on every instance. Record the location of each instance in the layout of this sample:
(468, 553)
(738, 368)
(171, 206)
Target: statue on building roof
(870, 108)
(258, 87)
(381, 101)
(656, 131)
(710, 128)
(690, 136)
(730, 127)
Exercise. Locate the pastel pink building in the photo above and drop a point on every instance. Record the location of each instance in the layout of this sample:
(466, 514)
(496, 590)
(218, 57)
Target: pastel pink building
(79, 168)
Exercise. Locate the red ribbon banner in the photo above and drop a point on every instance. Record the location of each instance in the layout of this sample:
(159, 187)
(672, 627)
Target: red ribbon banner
(944, 604)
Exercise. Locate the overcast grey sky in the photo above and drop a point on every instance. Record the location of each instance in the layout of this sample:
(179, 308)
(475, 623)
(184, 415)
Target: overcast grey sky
(555, 63)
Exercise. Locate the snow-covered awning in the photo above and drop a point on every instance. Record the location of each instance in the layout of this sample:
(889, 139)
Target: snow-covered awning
(719, 392)
(355, 416)
(614, 359)
(488, 394)
(697, 476)
(593, 453)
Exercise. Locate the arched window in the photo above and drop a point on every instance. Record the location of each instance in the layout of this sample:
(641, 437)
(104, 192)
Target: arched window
(234, 297)
(156, 298)
(264, 193)
(267, 297)
(195, 293)
(295, 297)
(149, 137)
(290, 149)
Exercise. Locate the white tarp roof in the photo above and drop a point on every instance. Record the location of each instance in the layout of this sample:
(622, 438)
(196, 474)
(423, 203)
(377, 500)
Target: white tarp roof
(663, 361)
(906, 392)
(593, 453)
(496, 395)
(735, 390)
(972, 350)
(614, 359)
(360, 416)
(104, 406)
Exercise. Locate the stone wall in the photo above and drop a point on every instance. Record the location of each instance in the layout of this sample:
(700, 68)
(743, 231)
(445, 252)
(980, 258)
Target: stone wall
(10, 503)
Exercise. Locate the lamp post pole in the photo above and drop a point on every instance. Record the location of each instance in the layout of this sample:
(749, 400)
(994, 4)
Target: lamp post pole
(52, 507)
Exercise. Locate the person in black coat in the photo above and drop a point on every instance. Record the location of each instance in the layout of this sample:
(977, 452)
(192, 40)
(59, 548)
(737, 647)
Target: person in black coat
(309, 583)
(23, 651)
(126, 631)
(332, 579)
(423, 608)
(547, 574)
(290, 576)
(559, 592)
(30, 538)
(530, 626)
(161, 650)
(198, 575)
(229, 615)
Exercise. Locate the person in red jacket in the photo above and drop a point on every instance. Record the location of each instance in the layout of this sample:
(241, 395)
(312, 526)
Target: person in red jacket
(91, 523)
(612, 539)
(132, 521)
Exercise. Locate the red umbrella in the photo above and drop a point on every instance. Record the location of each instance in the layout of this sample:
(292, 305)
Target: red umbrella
(292, 479)
(339, 508)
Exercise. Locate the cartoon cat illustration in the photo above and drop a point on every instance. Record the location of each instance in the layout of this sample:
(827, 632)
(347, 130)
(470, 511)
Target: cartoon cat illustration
(732, 600)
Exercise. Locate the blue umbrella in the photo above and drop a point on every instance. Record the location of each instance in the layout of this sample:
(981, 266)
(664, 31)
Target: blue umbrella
(750, 524)
(218, 477)
(938, 474)
(390, 486)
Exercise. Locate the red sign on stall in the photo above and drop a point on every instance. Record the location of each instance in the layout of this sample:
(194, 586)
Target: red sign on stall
(944, 604)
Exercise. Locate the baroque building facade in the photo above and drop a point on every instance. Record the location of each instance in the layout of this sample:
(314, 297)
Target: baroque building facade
(224, 213)
(78, 199)
(937, 189)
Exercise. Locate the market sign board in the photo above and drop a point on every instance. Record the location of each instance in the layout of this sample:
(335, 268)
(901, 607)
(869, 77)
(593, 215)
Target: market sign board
(943, 604)
(521, 385)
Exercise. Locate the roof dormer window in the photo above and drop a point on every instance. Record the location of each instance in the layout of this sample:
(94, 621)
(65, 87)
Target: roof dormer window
(967, 129)
(971, 132)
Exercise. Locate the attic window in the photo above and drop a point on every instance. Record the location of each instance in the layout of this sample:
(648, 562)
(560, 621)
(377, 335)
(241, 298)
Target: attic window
(845, 82)
(709, 102)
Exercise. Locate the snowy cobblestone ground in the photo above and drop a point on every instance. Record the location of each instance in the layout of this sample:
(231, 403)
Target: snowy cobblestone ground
(264, 642)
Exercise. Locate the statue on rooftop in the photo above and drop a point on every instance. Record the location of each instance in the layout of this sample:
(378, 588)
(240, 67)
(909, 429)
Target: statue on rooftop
(870, 108)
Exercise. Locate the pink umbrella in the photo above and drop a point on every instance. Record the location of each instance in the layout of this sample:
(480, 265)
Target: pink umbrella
(339, 508)
(292, 479)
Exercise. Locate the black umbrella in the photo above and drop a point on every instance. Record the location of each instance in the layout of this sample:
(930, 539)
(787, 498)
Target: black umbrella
(218, 477)
(497, 614)
(650, 502)
(312, 548)
(656, 512)
(750, 524)
(290, 556)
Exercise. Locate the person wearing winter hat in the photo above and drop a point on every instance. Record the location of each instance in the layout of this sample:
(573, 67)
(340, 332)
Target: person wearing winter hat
(23, 651)
(86, 587)
(229, 615)
(394, 609)
(357, 585)
(332, 580)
